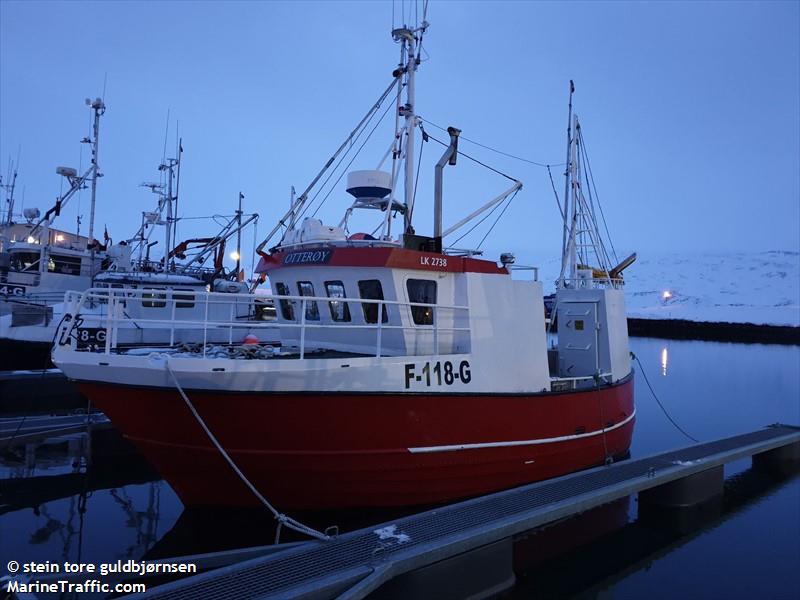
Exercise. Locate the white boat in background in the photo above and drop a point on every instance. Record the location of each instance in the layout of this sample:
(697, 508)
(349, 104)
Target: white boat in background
(39, 263)
(27, 331)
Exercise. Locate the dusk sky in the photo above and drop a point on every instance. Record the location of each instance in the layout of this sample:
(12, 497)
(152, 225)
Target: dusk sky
(690, 110)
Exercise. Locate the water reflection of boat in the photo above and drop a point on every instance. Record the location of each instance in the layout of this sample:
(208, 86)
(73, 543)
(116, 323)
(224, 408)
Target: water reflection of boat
(41, 472)
(408, 372)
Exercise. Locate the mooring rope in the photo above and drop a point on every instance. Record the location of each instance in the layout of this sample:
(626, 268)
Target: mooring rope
(608, 458)
(671, 420)
(280, 517)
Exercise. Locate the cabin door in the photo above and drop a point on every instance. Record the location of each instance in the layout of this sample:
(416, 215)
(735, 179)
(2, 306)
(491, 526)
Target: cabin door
(577, 339)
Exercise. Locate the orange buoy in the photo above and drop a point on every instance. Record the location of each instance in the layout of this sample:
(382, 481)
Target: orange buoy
(249, 339)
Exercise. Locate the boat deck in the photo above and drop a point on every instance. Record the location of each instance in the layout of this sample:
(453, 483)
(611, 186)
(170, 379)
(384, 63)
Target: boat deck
(357, 563)
(239, 351)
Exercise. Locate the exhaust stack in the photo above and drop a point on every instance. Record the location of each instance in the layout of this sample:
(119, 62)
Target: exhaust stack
(448, 158)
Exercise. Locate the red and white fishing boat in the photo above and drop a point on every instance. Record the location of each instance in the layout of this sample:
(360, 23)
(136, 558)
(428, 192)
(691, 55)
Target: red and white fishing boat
(407, 373)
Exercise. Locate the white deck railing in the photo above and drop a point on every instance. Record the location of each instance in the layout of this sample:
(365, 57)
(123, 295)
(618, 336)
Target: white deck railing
(109, 310)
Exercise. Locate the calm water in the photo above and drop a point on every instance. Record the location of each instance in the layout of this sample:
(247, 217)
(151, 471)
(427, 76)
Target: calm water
(743, 547)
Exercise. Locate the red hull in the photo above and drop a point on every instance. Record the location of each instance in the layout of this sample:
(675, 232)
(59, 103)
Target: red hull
(338, 450)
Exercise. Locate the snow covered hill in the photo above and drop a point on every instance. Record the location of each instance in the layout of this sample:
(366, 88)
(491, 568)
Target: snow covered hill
(743, 287)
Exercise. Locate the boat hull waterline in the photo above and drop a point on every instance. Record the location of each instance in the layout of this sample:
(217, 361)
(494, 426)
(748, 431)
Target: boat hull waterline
(334, 450)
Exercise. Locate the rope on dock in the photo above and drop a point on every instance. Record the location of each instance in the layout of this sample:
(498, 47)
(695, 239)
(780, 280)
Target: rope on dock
(280, 517)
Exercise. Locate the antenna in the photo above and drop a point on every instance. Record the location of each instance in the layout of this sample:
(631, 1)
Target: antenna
(239, 235)
(99, 109)
(9, 188)
(177, 179)
(166, 134)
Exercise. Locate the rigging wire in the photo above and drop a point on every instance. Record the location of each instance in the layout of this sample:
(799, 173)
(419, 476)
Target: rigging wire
(599, 206)
(533, 162)
(471, 158)
(500, 216)
(301, 200)
(553, 185)
(349, 149)
(342, 174)
(481, 220)
(671, 420)
(600, 251)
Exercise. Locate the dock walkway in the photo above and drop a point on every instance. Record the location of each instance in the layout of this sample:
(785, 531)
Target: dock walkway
(357, 563)
(22, 430)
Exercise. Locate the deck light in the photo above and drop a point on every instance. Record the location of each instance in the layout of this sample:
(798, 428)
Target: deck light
(234, 255)
(666, 295)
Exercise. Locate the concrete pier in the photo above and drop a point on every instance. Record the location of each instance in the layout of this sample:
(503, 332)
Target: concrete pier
(484, 572)
(783, 459)
(687, 491)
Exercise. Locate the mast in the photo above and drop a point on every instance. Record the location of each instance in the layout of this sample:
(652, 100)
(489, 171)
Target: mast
(567, 174)
(177, 189)
(411, 40)
(9, 188)
(576, 215)
(99, 108)
(169, 167)
(406, 36)
(239, 235)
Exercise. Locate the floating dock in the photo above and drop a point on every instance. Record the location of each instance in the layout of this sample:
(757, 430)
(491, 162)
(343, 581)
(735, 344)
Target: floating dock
(465, 549)
(28, 429)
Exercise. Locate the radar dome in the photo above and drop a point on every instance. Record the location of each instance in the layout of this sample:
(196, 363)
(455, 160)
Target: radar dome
(369, 184)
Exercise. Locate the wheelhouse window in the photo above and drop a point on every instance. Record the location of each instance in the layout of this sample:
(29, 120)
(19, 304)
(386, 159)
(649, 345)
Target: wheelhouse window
(153, 300)
(287, 310)
(371, 289)
(422, 291)
(65, 265)
(340, 311)
(183, 298)
(306, 288)
(24, 261)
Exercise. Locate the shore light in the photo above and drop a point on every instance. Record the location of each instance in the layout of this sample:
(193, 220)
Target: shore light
(666, 295)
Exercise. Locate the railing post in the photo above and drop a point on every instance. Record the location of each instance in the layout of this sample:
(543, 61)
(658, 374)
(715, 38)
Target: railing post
(118, 308)
(205, 326)
(111, 300)
(435, 330)
(230, 323)
(303, 329)
(380, 327)
(172, 320)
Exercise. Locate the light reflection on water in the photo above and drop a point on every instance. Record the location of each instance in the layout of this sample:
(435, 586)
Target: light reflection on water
(117, 509)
